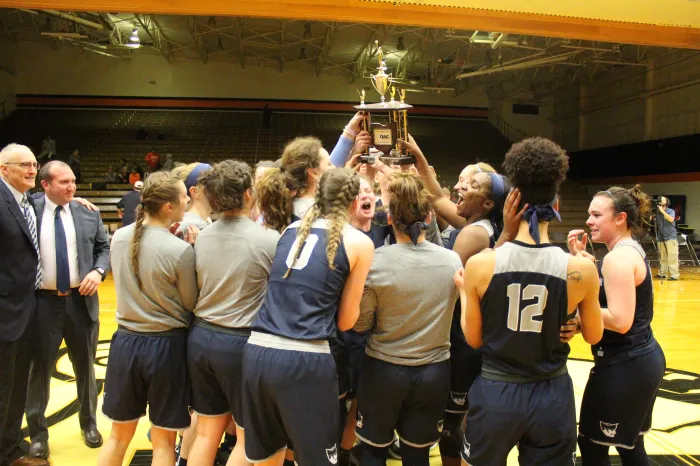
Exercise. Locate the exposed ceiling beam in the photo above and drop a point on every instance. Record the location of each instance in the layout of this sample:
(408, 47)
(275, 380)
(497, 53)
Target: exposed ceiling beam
(239, 42)
(281, 59)
(197, 38)
(326, 48)
(408, 14)
(360, 63)
(147, 23)
(72, 18)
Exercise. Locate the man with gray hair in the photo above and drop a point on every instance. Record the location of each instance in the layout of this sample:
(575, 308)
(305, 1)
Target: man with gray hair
(74, 251)
(20, 276)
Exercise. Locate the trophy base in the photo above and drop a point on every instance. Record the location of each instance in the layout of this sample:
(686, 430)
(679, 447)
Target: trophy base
(385, 107)
(399, 159)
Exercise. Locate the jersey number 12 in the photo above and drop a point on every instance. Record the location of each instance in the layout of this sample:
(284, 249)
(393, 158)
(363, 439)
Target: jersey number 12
(522, 320)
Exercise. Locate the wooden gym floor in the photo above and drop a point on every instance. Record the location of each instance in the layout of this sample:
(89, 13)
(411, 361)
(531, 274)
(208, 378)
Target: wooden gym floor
(675, 436)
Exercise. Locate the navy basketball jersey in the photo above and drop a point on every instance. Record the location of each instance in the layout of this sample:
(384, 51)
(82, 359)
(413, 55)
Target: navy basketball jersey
(640, 333)
(456, 333)
(304, 305)
(522, 311)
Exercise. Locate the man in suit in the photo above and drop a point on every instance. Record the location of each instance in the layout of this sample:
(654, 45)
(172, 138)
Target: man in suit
(20, 275)
(74, 250)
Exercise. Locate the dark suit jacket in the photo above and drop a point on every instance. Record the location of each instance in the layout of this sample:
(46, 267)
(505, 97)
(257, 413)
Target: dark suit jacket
(18, 264)
(93, 245)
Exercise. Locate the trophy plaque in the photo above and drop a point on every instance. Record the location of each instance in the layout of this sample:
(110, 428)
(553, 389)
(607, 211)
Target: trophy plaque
(385, 135)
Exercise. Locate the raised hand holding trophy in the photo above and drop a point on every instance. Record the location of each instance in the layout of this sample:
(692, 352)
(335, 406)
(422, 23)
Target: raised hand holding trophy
(385, 137)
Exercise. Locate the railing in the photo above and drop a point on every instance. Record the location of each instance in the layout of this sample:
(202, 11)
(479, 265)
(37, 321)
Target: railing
(510, 132)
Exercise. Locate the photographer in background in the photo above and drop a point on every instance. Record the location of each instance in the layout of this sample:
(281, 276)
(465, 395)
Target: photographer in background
(667, 239)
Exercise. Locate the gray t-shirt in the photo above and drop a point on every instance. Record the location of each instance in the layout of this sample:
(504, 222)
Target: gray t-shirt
(408, 302)
(167, 267)
(234, 256)
(192, 219)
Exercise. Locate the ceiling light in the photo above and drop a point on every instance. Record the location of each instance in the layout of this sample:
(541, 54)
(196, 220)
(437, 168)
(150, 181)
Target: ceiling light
(135, 37)
(400, 45)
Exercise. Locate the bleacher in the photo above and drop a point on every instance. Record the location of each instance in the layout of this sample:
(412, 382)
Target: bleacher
(106, 136)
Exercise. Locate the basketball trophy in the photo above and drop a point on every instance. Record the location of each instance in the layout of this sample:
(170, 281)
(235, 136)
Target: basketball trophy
(385, 136)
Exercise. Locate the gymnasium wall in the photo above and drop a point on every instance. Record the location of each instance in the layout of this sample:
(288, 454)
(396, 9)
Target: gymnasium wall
(8, 93)
(529, 125)
(633, 104)
(67, 70)
(690, 189)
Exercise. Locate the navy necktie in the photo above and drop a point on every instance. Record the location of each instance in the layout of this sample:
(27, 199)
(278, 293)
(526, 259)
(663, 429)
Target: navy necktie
(62, 269)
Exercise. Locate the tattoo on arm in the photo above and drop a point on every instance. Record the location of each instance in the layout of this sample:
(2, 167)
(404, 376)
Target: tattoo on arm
(575, 276)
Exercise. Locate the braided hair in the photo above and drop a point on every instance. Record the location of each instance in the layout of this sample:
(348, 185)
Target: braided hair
(337, 189)
(159, 189)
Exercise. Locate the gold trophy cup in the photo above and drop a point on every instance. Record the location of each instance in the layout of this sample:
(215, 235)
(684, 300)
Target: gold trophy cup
(385, 136)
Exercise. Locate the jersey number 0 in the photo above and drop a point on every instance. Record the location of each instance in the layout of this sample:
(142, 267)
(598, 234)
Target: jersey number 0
(305, 254)
(522, 320)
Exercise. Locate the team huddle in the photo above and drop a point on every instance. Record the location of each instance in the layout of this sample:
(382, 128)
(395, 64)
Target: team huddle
(314, 313)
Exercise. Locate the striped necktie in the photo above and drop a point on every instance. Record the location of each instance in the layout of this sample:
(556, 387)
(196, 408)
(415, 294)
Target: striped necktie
(32, 231)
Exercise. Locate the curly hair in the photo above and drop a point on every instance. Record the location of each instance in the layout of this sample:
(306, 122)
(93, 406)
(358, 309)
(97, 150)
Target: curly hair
(278, 186)
(634, 202)
(337, 188)
(537, 167)
(225, 185)
(274, 197)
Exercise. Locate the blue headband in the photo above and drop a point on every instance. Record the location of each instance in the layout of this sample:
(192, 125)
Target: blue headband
(191, 179)
(544, 212)
(498, 187)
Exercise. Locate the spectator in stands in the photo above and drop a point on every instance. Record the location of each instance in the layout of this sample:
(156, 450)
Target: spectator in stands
(142, 134)
(74, 164)
(111, 176)
(153, 159)
(169, 164)
(123, 163)
(267, 116)
(667, 239)
(126, 207)
(139, 170)
(124, 174)
(48, 150)
(134, 176)
(149, 172)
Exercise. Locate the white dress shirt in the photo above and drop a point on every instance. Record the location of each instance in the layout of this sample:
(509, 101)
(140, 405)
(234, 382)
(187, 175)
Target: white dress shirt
(18, 197)
(47, 246)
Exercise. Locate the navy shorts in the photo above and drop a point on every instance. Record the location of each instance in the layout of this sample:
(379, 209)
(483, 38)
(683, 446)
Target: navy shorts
(466, 367)
(540, 417)
(148, 369)
(290, 393)
(215, 363)
(341, 356)
(619, 399)
(355, 344)
(410, 399)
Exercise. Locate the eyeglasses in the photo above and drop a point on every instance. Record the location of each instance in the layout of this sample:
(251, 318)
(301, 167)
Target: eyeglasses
(25, 165)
